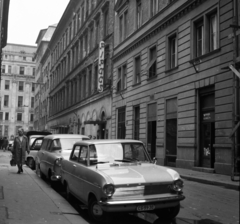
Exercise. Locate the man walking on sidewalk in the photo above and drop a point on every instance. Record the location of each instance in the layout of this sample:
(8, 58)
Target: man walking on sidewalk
(20, 146)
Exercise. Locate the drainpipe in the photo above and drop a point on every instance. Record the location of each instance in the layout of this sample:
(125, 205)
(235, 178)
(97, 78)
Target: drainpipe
(236, 98)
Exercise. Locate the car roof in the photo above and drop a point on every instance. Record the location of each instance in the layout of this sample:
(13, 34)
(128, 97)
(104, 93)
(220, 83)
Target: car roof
(56, 136)
(108, 141)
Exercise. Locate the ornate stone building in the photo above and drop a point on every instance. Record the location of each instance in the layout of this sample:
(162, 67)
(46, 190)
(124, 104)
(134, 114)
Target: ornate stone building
(173, 86)
(17, 89)
(80, 83)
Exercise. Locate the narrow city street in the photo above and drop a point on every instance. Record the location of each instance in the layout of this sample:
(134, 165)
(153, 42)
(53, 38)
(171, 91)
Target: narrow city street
(204, 204)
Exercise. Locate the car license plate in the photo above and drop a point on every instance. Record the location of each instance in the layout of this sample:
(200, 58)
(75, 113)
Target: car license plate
(145, 208)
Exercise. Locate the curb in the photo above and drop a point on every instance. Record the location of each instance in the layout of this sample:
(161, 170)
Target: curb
(211, 182)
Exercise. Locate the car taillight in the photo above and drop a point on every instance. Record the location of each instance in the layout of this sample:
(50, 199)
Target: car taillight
(58, 162)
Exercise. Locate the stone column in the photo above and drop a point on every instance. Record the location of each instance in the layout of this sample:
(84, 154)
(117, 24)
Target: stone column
(78, 89)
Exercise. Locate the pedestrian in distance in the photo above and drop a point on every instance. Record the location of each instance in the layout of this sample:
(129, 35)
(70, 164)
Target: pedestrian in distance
(5, 144)
(20, 146)
(1, 142)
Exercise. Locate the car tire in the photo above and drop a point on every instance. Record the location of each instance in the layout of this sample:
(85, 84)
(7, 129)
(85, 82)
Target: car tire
(31, 163)
(95, 211)
(168, 213)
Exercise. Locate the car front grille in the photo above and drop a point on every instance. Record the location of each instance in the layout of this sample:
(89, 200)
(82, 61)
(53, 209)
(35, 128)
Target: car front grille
(157, 189)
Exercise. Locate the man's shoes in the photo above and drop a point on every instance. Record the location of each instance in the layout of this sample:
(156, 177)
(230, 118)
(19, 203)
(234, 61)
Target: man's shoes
(18, 172)
(21, 170)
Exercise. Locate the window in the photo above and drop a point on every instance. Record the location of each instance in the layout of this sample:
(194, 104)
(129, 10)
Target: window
(7, 84)
(6, 101)
(205, 34)
(9, 69)
(20, 86)
(1, 116)
(89, 81)
(122, 78)
(85, 45)
(121, 123)
(91, 39)
(152, 66)
(6, 116)
(19, 116)
(123, 31)
(3, 68)
(87, 8)
(32, 102)
(20, 101)
(172, 51)
(84, 85)
(24, 58)
(21, 71)
(154, 7)
(33, 87)
(31, 117)
(82, 13)
(136, 122)
(137, 70)
(97, 32)
(96, 78)
(33, 71)
(5, 130)
(139, 13)
(105, 26)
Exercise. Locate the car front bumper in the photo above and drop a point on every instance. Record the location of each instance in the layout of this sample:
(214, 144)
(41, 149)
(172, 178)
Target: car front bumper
(133, 205)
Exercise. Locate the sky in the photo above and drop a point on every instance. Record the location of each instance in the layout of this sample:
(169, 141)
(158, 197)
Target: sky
(28, 17)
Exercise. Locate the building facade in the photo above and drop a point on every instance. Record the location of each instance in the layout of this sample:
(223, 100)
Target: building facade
(42, 78)
(81, 69)
(173, 88)
(17, 89)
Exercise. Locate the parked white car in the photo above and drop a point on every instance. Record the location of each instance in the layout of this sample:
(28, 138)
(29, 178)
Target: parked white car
(53, 148)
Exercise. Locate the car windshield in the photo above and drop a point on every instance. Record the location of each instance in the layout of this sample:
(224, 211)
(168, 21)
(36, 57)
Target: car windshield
(117, 152)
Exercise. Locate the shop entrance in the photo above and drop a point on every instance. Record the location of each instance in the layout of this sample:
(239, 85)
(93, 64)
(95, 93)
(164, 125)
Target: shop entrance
(207, 130)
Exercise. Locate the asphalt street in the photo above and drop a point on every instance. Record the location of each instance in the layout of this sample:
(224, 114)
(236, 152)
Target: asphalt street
(27, 199)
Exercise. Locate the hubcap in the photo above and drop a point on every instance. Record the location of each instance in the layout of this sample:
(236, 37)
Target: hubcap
(97, 210)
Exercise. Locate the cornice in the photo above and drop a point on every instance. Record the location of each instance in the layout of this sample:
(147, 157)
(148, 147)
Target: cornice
(161, 25)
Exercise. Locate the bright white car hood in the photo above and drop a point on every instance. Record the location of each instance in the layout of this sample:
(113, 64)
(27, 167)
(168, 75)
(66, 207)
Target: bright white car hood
(144, 173)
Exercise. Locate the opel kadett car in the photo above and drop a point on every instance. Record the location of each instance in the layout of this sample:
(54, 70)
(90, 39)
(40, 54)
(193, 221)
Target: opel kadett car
(55, 147)
(111, 176)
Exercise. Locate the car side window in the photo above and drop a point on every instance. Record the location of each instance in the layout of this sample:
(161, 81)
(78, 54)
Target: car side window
(44, 144)
(75, 153)
(56, 145)
(83, 155)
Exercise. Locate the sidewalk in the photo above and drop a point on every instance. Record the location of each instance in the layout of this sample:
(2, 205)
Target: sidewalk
(208, 178)
(26, 199)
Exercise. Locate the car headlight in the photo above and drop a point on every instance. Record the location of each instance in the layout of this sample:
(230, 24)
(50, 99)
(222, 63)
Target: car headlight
(177, 186)
(108, 189)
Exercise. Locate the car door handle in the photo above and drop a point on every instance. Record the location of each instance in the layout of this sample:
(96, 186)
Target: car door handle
(74, 165)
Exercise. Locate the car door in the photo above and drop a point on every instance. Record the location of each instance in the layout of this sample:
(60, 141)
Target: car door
(52, 153)
(70, 169)
(79, 172)
(41, 153)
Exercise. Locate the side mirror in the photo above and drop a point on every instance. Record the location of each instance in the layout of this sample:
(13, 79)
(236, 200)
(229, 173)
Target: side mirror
(154, 160)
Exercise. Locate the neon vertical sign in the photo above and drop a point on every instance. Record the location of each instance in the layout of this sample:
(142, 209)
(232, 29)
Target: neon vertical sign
(101, 66)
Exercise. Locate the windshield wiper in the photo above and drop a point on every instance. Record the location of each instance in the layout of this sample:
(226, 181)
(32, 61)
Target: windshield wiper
(100, 162)
(126, 160)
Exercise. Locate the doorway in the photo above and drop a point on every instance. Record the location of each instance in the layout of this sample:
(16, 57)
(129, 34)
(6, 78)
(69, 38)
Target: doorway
(207, 129)
(152, 129)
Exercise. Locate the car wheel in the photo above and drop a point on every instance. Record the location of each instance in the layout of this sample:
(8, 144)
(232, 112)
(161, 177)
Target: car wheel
(31, 163)
(168, 213)
(95, 211)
